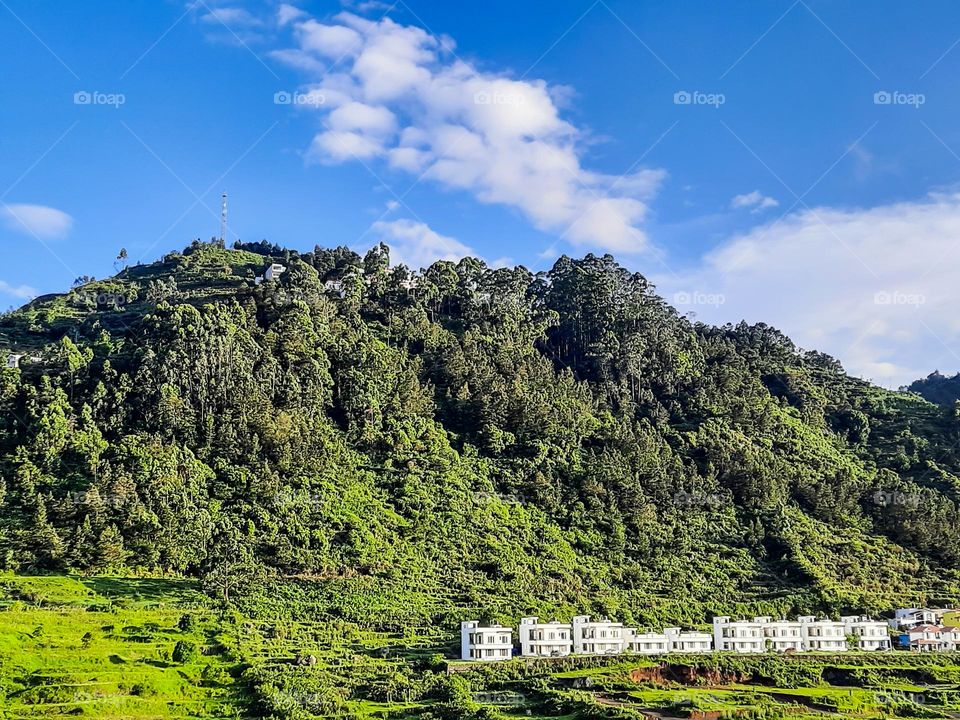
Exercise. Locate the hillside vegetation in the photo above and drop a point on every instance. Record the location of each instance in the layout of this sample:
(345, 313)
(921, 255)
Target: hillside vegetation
(488, 443)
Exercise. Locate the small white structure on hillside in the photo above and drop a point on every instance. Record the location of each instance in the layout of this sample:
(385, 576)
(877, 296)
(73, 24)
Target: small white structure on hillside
(689, 641)
(335, 287)
(870, 634)
(13, 360)
(273, 271)
(823, 635)
(489, 642)
(598, 637)
(740, 636)
(552, 639)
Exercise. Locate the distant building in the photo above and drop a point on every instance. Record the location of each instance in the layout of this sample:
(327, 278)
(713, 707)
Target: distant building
(823, 635)
(688, 641)
(488, 643)
(646, 643)
(782, 635)
(597, 637)
(335, 287)
(13, 359)
(931, 638)
(551, 639)
(870, 634)
(273, 271)
(763, 634)
(740, 636)
(906, 618)
(586, 636)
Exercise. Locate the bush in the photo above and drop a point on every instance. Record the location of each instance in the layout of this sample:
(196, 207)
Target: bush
(184, 652)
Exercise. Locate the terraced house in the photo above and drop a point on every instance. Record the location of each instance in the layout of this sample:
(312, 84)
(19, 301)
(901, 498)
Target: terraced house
(597, 637)
(488, 643)
(931, 638)
(586, 636)
(868, 634)
(740, 636)
(550, 639)
(823, 635)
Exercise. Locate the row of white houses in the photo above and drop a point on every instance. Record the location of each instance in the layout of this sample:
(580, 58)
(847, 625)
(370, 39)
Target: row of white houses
(586, 636)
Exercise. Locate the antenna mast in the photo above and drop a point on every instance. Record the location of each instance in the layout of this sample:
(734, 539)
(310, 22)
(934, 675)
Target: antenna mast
(223, 220)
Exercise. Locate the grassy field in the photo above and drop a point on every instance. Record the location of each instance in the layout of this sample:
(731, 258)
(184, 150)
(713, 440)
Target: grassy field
(108, 648)
(119, 648)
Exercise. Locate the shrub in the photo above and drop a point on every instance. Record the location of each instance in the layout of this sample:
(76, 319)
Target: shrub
(184, 652)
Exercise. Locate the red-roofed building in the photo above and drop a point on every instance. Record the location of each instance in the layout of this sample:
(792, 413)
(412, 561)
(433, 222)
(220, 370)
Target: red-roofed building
(931, 638)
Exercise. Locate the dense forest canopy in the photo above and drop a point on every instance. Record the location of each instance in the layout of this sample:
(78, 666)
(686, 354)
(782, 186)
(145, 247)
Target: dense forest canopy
(938, 388)
(500, 440)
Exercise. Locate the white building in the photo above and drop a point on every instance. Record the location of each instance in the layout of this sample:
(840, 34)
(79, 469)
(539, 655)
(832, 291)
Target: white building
(870, 634)
(932, 638)
(781, 635)
(646, 643)
(740, 636)
(489, 642)
(551, 639)
(274, 271)
(598, 637)
(906, 618)
(335, 287)
(823, 635)
(13, 360)
(689, 641)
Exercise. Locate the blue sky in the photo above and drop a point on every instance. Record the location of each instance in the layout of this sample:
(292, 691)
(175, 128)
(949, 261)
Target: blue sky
(787, 161)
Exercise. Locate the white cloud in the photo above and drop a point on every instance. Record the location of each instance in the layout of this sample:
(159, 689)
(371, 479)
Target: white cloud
(299, 59)
(755, 200)
(332, 41)
(24, 292)
(287, 13)
(874, 287)
(43, 222)
(416, 245)
(231, 16)
(399, 95)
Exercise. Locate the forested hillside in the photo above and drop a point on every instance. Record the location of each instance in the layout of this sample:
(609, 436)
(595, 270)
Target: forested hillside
(483, 441)
(938, 388)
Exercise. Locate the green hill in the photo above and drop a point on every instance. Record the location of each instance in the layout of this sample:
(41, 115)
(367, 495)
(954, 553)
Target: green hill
(938, 388)
(481, 442)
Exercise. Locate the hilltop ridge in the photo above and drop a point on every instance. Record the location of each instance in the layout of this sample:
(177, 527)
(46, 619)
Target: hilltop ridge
(464, 439)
